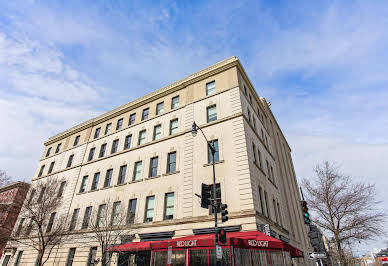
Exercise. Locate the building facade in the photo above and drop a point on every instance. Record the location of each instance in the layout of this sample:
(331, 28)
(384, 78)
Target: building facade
(11, 201)
(143, 157)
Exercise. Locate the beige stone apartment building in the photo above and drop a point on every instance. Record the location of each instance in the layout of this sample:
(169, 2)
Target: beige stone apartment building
(143, 156)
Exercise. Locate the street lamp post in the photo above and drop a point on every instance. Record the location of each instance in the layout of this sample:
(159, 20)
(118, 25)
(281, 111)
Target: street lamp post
(194, 131)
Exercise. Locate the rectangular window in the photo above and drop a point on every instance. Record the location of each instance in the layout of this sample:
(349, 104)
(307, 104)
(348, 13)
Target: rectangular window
(149, 212)
(91, 154)
(249, 116)
(50, 223)
(175, 102)
(41, 170)
(76, 140)
(115, 219)
(137, 171)
(18, 258)
(108, 128)
(70, 257)
(261, 200)
(131, 211)
(58, 148)
(142, 137)
(20, 227)
(119, 124)
(210, 88)
(260, 163)
(268, 171)
(169, 206)
(115, 146)
(122, 172)
(254, 153)
(211, 113)
(159, 108)
(266, 203)
(48, 152)
(97, 132)
(157, 132)
(127, 143)
(101, 215)
(254, 123)
(262, 134)
(245, 90)
(250, 98)
(51, 167)
(153, 167)
(171, 162)
(132, 119)
(29, 228)
(95, 181)
(145, 113)
(61, 189)
(31, 196)
(174, 126)
(70, 161)
(92, 257)
(42, 191)
(218, 197)
(74, 219)
(87, 215)
(83, 184)
(272, 176)
(108, 178)
(216, 154)
(102, 150)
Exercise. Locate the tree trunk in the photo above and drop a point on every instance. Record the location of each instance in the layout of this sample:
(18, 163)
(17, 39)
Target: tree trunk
(341, 253)
(40, 257)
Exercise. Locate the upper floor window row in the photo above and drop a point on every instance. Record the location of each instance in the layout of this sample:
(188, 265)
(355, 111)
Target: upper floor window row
(56, 149)
(210, 88)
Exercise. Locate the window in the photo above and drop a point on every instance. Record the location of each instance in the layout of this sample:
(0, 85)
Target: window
(254, 123)
(153, 167)
(48, 152)
(115, 219)
(262, 134)
(122, 172)
(169, 206)
(29, 227)
(132, 118)
(42, 191)
(127, 142)
(76, 140)
(101, 215)
(61, 189)
(266, 202)
(31, 196)
(102, 150)
(261, 200)
(95, 180)
(58, 148)
(41, 170)
(137, 171)
(108, 177)
(174, 126)
(115, 145)
(70, 257)
(216, 154)
(157, 132)
(74, 219)
(142, 137)
(249, 116)
(92, 257)
(149, 212)
(211, 113)
(131, 211)
(145, 113)
(175, 102)
(51, 167)
(18, 258)
(245, 90)
(85, 221)
(171, 162)
(159, 108)
(218, 197)
(108, 128)
(119, 124)
(210, 88)
(254, 153)
(259, 153)
(97, 132)
(70, 161)
(20, 227)
(83, 184)
(268, 171)
(272, 176)
(250, 98)
(91, 154)
(6, 260)
(50, 223)
(280, 215)
(266, 141)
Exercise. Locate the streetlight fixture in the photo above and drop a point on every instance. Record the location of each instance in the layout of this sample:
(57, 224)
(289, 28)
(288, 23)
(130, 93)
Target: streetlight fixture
(194, 131)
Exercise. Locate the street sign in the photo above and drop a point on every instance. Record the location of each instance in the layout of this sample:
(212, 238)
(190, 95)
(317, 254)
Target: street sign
(315, 255)
(218, 252)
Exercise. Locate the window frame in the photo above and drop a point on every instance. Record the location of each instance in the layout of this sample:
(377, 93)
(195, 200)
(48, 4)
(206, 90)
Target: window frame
(101, 154)
(127, 144)
(175, 129)
(210, 118)
(74, 219)
(61, 189)
(84, 184)
(95, 181)
(51, 222)
(146, 218)
(115, 213)
(145, 114)
(216, 154)
(140, 164)
(119, 123)
(152, 167)
(76, 140)
(131, 214)
(70, 256)
(91, 153)
(140, 139)
(51, 167)
(165, 206)
(97, 133)
(58, 148)
(159, 126)
(214, 87)
(41, 170)
(132, 119)
(115, 146)
(169, 163)
(174, 105)
(108, 128)
(48, 151)
(108, 178)
(121, 178)
(86, 218)
(70, 161)
(159, 111)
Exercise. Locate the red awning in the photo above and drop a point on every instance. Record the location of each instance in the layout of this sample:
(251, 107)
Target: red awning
(133, 246)
(294, 252)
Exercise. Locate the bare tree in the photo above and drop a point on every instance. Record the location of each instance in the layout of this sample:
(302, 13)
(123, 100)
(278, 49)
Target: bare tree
(344, 208)
(107, 226)
(41, 226)
(4, 178)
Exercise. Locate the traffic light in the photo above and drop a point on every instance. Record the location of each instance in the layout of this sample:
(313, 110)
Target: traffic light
(222, 236)
(224, 212)
(205, 196)
(306, 215)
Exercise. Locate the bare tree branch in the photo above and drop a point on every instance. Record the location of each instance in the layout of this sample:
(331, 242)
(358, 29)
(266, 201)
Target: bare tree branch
(4, 178)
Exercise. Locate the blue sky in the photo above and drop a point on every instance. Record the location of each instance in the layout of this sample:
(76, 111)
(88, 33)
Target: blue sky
(322, 64)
